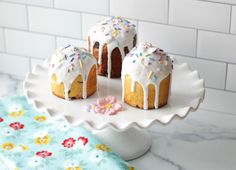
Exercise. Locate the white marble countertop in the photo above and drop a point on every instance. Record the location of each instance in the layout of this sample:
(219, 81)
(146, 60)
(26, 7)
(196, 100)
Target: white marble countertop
(205, 140)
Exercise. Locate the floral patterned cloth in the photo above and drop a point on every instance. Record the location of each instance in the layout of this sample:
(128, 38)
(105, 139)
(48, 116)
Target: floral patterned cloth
(33, 141)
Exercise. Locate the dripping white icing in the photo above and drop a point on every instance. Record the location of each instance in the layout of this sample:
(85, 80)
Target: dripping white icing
(146, 65)
(69, 62)
(113, 32)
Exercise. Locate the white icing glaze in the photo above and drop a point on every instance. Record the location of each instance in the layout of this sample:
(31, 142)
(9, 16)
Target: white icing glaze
(69, 62)
(113, 32)
(146, 65)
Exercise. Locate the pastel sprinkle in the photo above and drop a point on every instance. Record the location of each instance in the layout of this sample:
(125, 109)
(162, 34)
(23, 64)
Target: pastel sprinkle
(83, 57)
(142, 59)
(81, 64)
(102, 29)
(152, 59)
(115, 33)
(126, 28)
(76, 49)
(150, 74)
(67, 46)
(72, 55)
(154, 78)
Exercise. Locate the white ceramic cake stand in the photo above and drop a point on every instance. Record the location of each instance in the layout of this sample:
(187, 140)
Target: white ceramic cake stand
(124, 132)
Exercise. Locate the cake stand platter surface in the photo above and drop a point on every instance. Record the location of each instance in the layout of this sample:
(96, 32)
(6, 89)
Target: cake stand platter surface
(125, 131)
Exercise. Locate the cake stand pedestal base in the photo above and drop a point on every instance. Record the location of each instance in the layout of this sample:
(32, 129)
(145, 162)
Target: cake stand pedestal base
(129, 144)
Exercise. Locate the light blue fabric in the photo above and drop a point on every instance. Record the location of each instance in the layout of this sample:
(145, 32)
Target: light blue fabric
(32, 141)
(3, 166)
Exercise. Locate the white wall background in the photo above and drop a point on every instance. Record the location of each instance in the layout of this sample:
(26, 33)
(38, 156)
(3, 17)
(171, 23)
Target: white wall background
(201, 32)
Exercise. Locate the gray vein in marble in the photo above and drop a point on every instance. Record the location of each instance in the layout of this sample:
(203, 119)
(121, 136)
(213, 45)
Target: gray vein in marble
(199, 131)
(176, 165)
(10, 85)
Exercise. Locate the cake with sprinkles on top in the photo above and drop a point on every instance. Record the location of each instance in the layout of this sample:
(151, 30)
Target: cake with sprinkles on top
(109, 41)
(146, 77)
(72, 71)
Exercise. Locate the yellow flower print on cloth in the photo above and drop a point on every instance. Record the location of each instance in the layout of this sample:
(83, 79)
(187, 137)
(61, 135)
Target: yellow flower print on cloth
(131, 168)
(42, 138)
(97, 156)
(8, 146)
(72, 165)
(23, 147)
(40, 118)
(103, 148)
(73, 168)
(16, 111)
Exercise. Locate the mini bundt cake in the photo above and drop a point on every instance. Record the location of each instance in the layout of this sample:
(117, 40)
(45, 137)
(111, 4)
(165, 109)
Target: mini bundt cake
(72, 72)
(146, 77)
(109, 41)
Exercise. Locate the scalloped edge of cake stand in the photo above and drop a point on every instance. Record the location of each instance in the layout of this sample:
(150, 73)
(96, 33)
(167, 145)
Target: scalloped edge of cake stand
(40, 108)
(131, 136)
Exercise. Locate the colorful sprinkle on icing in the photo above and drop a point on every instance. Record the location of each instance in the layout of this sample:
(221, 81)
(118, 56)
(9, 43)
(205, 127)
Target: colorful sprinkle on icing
(81, 64)
(150, 74)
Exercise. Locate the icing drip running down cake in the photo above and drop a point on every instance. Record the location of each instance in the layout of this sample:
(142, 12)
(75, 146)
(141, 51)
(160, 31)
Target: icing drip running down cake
(146, 77)
(109, 41)
(73, 73)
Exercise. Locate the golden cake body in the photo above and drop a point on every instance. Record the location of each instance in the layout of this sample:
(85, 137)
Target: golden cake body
(146, 77)
(72, 71)
(109, 41)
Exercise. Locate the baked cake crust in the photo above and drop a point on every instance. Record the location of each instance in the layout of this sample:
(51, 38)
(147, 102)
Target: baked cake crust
(136, 98)
(116, 59)
(76, 91)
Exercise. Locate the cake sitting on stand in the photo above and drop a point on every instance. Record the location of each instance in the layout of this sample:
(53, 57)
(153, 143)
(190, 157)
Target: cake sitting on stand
(146, 77)
(109, 41)
(72, 72)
